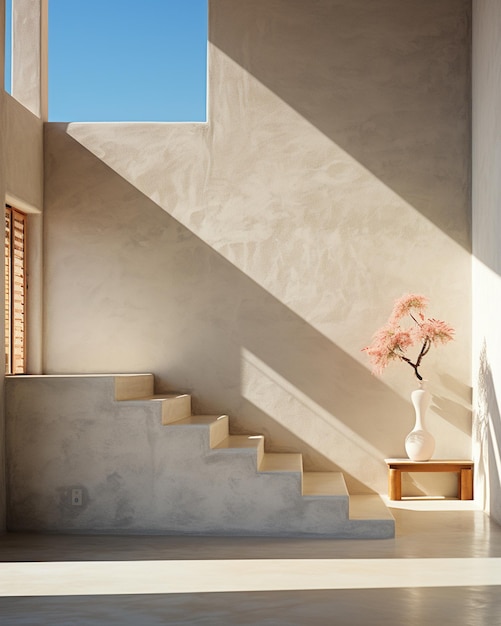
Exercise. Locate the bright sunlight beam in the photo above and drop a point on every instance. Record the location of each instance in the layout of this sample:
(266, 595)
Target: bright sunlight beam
(165, 577)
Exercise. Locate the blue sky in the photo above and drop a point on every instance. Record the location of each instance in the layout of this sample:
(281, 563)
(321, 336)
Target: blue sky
(127, 60)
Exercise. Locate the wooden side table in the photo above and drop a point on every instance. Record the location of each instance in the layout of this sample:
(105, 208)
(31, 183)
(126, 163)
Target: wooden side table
(464, 469)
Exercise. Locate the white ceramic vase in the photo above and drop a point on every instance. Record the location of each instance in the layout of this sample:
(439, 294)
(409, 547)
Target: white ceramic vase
(419, 443)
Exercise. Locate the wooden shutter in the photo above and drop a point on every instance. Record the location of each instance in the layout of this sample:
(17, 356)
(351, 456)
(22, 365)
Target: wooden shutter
(15, 291)
(7, 292)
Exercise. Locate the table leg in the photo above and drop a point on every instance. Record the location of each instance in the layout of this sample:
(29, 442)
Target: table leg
(395, 484)
(466, 484)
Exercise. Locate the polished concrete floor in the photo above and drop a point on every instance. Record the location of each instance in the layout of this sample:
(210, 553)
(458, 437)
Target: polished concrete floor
(443, 567)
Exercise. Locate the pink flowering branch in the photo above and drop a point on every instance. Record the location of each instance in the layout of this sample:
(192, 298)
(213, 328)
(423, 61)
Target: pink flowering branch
(392, 341)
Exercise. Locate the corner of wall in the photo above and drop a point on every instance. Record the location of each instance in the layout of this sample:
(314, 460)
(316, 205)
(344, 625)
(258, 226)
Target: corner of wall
(486, 227)
(2, 195)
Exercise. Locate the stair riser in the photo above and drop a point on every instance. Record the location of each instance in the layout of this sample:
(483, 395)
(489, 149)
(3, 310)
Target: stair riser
(241, 460)
(219, 430)
(133, 386)
(176, 408)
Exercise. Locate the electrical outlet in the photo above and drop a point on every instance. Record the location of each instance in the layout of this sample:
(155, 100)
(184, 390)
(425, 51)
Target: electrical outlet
(76, 497)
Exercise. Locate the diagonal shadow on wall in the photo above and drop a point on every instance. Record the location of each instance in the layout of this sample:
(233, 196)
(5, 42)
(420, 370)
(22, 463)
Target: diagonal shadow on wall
(371, 77)
(128, 288)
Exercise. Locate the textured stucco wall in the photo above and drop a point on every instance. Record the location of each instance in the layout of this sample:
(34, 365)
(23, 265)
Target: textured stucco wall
(21, 184)
(487, 249)
(24, 165)
(23, 110)
(29, 55)
(24, 170)
(248, 260)
(2, 301)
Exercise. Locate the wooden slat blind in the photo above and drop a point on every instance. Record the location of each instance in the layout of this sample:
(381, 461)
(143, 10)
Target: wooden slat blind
(15, 291)
(7, 292)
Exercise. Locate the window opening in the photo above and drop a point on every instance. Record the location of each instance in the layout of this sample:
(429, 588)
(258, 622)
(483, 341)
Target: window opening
(15, 291)
(127, 61)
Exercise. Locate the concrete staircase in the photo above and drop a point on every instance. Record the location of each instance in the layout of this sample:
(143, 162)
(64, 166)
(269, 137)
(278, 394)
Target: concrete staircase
(156, 468)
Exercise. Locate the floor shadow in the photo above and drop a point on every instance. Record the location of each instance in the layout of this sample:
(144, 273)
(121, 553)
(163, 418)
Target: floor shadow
(451, 605)
(388, 82)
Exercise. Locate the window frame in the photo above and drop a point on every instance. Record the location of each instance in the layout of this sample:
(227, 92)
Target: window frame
(16, 285)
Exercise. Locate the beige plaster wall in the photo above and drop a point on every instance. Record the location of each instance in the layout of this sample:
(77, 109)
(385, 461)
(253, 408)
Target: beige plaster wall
(487, 250)
(24, 170)
(21, 184)
(2, 300)
(248, 260)
(24, 162)
(29, 55)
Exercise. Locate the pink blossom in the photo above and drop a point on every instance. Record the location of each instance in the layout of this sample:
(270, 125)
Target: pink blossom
(392, 341)
(388, 343)
(435, 331)
(407, 304)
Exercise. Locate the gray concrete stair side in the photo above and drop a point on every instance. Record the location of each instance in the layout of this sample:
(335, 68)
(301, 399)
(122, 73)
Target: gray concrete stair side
(91, 392)
(197, 464)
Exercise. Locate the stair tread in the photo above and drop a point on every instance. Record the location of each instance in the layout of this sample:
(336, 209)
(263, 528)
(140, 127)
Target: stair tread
(198, 420)
(239, 442)
(281, 462)
(369, 507)
(159, 396)
(324, 484)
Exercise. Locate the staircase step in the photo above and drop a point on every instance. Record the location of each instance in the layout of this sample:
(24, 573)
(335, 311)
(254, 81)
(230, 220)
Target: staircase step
(239, 443)
(197, 420)
(369, 507)
(281, 462)
(324, 484)
(175, 406)
(218, 424)
(133, 386)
